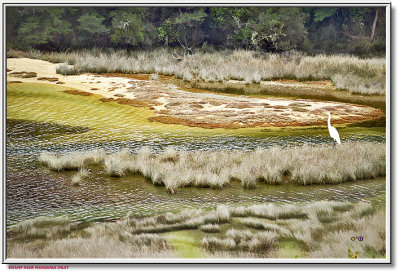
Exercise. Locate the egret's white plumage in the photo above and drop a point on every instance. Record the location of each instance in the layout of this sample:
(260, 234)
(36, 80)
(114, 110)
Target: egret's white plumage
(332, 130)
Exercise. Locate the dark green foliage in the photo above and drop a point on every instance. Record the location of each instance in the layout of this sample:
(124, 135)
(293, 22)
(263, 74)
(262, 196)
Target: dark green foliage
(355, 30)
(127, 28)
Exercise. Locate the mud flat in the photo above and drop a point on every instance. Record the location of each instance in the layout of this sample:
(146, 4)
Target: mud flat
(171, 104)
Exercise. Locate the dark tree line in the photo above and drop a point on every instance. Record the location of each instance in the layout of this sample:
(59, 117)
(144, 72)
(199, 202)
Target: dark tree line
(269, 29)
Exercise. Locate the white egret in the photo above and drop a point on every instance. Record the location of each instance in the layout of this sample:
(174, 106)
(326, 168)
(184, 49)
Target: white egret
(332, 130)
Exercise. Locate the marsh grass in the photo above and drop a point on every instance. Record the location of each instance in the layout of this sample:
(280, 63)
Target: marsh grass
(72, 161)
(65, 69)
(12, 53)
(270, 211)
(210, 228)
(77, 178)
(366, 76)
(304, 165)
(41, 227)
(48, 237)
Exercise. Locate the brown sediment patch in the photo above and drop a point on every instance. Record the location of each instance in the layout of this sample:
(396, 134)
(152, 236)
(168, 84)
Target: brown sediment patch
(10, 82)
(279, 107)
(213, 103)
(60, 82)
(172, 104)
(196, 105)
(299, 109)
(131, 102)
(193, 123)
(140, 77)
(106, 99)
(239, 105)
(299, 104)
(23, 74)
(8, 70)
(77, 92)
(50, 79)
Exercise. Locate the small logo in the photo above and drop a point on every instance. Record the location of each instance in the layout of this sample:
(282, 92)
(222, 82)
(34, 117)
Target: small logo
(359, 238)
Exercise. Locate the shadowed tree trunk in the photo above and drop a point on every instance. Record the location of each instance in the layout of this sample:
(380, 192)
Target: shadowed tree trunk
(374, 26)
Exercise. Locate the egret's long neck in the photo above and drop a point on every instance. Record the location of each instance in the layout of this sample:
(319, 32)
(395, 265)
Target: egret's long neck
(329, 120)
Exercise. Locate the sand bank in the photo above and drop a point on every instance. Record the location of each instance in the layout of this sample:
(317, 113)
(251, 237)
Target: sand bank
(208, 110)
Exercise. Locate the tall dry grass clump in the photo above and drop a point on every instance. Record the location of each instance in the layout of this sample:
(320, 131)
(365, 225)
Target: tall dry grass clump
(304, 165)
(71, 161)
(366, 76)
(65, 69)
(82, 173)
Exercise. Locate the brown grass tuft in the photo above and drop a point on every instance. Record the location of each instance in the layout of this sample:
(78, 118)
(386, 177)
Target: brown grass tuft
(50, 79)
(78, 92)
(23, 74)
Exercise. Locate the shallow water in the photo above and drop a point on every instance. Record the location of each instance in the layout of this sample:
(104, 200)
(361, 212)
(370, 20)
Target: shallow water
(38, 120)
(33, 190)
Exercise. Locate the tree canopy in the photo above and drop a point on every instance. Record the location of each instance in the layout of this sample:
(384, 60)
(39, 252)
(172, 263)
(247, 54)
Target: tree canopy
(355, 30)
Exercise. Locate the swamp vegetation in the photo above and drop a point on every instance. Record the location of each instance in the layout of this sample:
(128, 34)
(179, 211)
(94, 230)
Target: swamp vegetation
(99, 172)
(309, 230)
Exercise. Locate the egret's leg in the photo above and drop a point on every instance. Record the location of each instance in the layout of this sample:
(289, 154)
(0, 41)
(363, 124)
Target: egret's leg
(334, 144)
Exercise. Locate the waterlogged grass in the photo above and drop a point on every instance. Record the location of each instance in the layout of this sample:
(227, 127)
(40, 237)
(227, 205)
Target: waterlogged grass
(180, 235)
(109, 120)
(303, 165)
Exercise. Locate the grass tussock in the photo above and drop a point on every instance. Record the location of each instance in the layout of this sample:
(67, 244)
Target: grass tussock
(302, 165)
(57, 237)
(210, 228)
(270, 211)
(73, 161)
(65, 70)
(77, 178)
(366, 76)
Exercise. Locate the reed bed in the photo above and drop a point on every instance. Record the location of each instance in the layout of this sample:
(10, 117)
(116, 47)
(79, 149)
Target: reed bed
(366, 76)
(250, 237)
(304, 165)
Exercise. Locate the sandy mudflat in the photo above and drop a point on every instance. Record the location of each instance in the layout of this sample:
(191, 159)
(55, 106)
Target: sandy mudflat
(207, 110)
